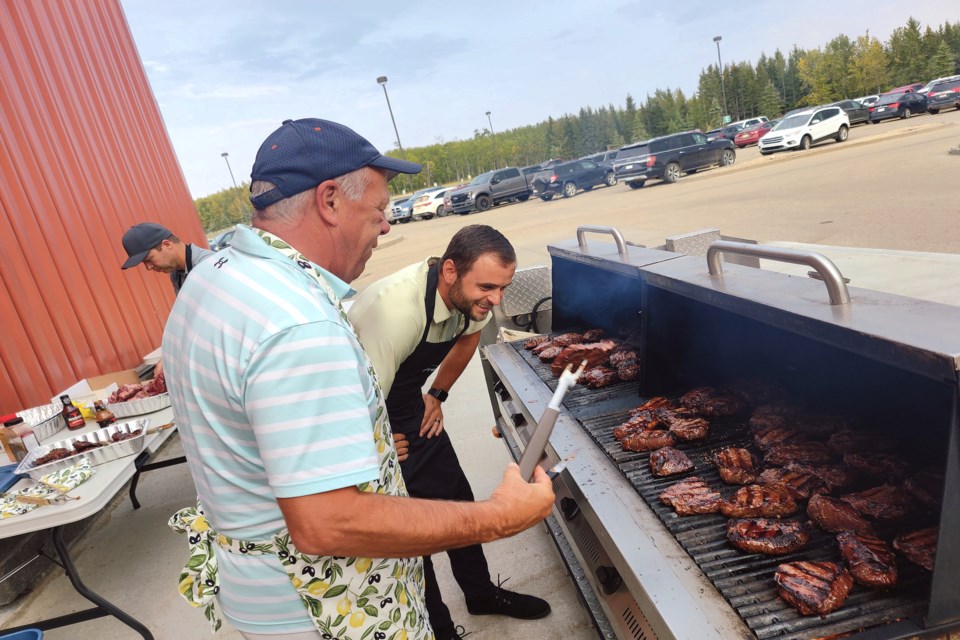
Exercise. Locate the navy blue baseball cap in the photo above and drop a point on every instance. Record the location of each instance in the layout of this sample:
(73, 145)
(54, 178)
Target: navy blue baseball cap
(140, 239)
(303, 153)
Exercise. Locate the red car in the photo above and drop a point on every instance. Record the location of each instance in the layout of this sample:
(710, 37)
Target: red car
(907, 88)
(753, 134)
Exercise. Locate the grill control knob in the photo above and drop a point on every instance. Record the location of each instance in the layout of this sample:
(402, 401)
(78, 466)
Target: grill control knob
(569, 508)
(609, 578)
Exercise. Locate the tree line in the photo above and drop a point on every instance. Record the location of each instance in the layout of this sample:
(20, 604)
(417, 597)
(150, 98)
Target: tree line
(843, 68)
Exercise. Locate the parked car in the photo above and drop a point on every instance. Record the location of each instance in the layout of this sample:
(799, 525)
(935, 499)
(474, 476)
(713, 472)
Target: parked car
(749, 122)
(868, 101)
(855, 110)
(727, 132)
(607, 157)
(804, 129)
(669, 157)
(927, 88)
(490, 189)
(400, 211)
(427, 203)
(907, 88)
(943, 96)
(753, 134)
(898, 105)
(223, 240)
(569, 177)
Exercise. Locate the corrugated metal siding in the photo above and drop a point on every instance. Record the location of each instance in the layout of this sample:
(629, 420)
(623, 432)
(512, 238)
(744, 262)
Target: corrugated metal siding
(84, 154)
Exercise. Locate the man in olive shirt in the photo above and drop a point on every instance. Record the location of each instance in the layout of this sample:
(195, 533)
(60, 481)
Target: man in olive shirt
(457, 291)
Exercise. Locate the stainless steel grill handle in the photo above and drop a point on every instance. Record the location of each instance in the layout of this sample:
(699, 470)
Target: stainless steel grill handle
(617, 237)
(823, 265)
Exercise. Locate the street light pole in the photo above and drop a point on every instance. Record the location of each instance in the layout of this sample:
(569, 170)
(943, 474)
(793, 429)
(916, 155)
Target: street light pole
(227, 160)
(717, 39)
(382, 81)
(496, 147)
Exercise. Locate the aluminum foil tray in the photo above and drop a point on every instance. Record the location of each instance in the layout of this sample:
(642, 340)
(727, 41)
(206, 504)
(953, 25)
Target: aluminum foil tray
(110, 451)
(46, 420)
(140, 407)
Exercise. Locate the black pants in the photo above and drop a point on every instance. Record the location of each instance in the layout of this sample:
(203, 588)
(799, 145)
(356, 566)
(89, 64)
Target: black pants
(433, 471)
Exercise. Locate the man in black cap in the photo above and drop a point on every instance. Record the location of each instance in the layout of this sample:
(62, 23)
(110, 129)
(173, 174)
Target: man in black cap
(306, 529)
(159, 250)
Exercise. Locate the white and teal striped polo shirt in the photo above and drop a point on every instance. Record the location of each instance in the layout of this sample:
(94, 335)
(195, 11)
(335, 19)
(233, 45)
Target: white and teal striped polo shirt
(272, 401)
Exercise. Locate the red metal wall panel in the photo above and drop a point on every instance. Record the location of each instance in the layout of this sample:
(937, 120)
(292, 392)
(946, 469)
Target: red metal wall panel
(84, 154)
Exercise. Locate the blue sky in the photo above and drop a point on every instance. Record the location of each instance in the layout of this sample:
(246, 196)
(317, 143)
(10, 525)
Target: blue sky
(225, 74)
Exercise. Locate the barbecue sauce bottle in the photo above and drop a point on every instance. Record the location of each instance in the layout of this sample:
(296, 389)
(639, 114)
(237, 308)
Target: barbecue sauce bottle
(71, 415)
(104, 416)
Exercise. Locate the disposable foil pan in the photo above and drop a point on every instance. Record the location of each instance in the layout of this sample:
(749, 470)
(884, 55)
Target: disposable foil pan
(110, 451)
(46, 420)
(140, 406)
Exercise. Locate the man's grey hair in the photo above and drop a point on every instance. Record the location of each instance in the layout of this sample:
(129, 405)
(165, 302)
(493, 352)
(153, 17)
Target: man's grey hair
(353, 185)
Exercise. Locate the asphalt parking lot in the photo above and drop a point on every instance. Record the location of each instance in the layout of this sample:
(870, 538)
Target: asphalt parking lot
(892, 185)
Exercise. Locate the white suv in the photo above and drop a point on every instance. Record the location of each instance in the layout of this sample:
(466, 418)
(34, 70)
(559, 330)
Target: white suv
(801, 130)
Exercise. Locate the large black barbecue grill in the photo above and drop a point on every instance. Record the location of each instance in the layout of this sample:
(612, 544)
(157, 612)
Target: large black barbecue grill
(886, 362)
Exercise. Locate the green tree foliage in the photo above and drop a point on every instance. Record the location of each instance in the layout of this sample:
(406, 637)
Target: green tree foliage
(843, 68)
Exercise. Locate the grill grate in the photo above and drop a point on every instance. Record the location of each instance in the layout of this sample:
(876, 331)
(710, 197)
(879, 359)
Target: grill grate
(745, 580)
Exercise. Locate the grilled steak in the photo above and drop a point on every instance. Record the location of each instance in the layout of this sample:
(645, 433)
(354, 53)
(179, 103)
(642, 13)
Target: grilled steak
(736, 465)
(592, 335)
(598, 377)
(623, 357)
(567, 339)
(648, 440)
(643, 421)
(763, 535)
(858, 441)
(835, 516)
(688, 429)
(696, 397)
(540, 348)
(813, 587)
(721, 405)
(806, 452)
(885, 502)
(919, 547)
(691, 496)
(653, 403)
(535, 341)
(594, 353)
(835, 476)
(764, 421)
(756, 500)
(548, 354)
(819, 425)
(669, 461)
(885, 466)
(799, 484)
(768, 438)
(927, 487)
(627, 372)
(871, 560)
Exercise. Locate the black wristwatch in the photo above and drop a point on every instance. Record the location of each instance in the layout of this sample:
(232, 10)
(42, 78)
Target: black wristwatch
(439, 394)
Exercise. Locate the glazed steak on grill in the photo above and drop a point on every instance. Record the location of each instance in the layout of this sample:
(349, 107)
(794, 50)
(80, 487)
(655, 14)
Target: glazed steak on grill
(594, 353)
(756, 500)
(813, 587)
(920, 547)
(549, 353)
(835, 516)
(764, 535)
(736, 465)
(858, 441)
(799, 484)
(871, 560)
(685, 428)
(623, 357)
(691, 496)
(721, 405)
(927, 487)
(669, 461)
(535, 341)
(598, 377)
(567, 339)
(885, 502)
(643, 421)
(648, 440)
(695, 398)
(887, 466)
(627, 372)
(768, 438)
(806, 452)
(819, 425)
(835, 476)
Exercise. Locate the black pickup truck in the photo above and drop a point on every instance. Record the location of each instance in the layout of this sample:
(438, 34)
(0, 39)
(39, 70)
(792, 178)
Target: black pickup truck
(569, 177)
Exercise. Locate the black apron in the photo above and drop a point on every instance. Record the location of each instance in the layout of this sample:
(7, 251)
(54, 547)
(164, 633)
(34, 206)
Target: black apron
(406, 408)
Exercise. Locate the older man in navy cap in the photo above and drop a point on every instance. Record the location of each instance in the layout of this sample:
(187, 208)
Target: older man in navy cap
(159, 250)
(306, 529)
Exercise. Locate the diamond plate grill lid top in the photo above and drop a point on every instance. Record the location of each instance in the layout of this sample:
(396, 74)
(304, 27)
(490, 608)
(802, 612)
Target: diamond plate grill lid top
(529, 287)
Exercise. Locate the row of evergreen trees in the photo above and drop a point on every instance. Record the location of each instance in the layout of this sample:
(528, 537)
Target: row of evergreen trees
(843, 68)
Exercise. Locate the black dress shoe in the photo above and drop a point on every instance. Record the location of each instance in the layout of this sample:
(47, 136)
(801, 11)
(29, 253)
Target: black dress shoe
(509, 603)
(451, 632)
